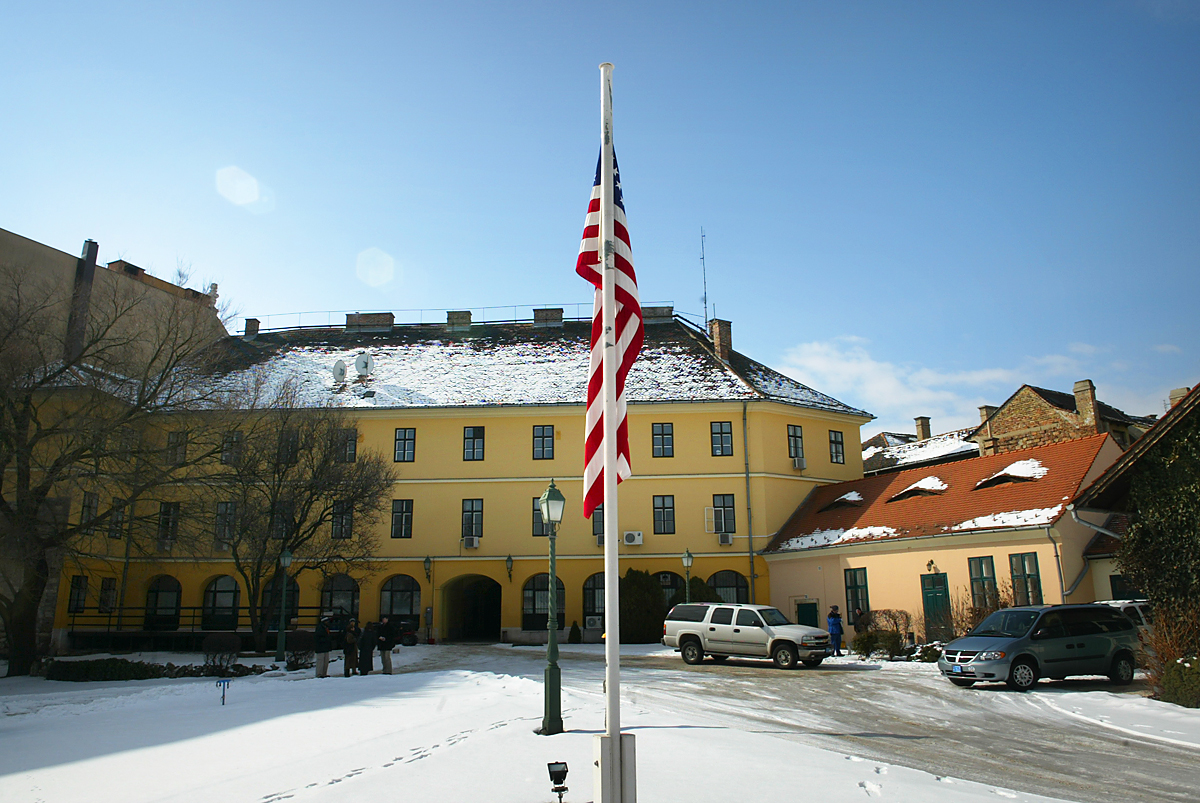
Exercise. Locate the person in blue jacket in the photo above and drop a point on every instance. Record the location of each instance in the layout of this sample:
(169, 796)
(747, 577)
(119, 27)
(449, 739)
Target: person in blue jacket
(835, 630)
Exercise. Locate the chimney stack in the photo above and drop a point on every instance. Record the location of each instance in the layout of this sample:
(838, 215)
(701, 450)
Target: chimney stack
(251, 328)
(922, 427)
(721, 333)
(1085, 404)
(1177, 395)
(458, 320)
(985, 412)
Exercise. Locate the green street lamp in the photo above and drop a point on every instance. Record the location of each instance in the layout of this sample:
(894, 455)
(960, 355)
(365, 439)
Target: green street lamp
(552, 504)
(687, 572)
(285, 560)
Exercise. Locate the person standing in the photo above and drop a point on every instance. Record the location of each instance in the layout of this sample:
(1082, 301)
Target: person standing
(366, 649)
(862, 621)
(387, 640)
(834, 622)
(350, 647)
(322, 644)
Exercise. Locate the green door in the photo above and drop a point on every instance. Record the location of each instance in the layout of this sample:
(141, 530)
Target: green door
(806, 613)
(935, 592)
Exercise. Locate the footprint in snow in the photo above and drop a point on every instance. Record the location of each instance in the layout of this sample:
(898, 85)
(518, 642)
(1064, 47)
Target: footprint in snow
(854, 758)
(943, 779)
(872, 789)
(881, 770)
(1006, 793)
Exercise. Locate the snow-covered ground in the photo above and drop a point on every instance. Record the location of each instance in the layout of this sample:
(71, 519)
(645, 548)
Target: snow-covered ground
(457, 724)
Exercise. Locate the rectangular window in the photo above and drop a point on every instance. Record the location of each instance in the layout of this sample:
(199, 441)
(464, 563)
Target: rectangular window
(88, 512)
(231, 448)
(78, 598)
(598, 520)
(663, 437)
(722, 438)
(856, 592)
(177, 447)
(226, 522)
(406, 445)
(723, 516)
(539, 526)
(116, 519)
(1027, 583)
(108, 594)
(289, 447)
(472, 522)
(342, 519)
(983, 582)
(168, 523)
(472, 443)
(795, 441)
(281, 520)
(346, 446)
(543, 443)
(402, 515)
(837, 449)
(664, 515)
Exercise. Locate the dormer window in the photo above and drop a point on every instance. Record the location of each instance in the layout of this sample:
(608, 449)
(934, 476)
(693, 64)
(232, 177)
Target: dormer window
(926, 486)
(1020, 471)
(851, 499)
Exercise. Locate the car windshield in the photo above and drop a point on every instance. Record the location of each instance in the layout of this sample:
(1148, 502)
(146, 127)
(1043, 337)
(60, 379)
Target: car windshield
(1010, 624)
(773, 617)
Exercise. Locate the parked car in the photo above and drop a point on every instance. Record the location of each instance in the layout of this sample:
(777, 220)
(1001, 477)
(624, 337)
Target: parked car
(1020, 645)
(756, 631)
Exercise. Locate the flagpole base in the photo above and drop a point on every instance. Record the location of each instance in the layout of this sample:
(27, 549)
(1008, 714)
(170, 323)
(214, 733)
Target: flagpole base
(614, 772)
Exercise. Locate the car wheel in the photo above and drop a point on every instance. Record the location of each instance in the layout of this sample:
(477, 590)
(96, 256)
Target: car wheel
(784, 656)
(1023, 675)
(409, 640)
(1121, 672)
(719, 658)
(963, 682)
(813, 663)
(691, 652)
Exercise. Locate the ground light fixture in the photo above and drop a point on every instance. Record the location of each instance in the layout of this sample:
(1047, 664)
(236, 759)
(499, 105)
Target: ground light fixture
(558, 777)
(552, 504)
(285, 560)
(687, 575)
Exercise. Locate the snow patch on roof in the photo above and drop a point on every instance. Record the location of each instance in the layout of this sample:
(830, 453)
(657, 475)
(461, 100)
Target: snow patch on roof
(852, 496)
(943, 445)
(871, 451)
(830, 537)
(930, 483)
(1031, 469)
(1038, 517)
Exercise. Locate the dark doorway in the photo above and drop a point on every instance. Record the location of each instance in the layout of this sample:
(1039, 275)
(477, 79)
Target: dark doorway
(472, 609)
(807, 613)
(935, 593)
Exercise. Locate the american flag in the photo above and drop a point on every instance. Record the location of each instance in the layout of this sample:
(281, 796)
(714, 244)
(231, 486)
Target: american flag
(629, 332)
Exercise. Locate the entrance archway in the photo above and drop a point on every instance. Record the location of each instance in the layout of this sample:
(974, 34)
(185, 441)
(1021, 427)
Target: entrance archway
(472, 609)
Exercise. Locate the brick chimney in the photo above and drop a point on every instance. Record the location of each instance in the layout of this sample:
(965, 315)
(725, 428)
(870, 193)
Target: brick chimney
(251, 328)
(721, 333)
(370, 321)
(545, 318)
(985, 412)
(458, 320)
(1177, 395)
(922, 427)
(1086, 406)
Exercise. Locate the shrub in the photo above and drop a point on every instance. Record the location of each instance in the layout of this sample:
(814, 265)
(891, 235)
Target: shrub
(642, 608)
(220, 652)
(929, 653)
(891, 642)
(299, 645)
(1174, 637)
(576, 635)
(700, 592)
(1181, 682)
(103, 669)
(865, 644)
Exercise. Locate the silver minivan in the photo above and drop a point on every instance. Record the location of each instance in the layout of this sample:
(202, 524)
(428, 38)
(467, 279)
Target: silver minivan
(1020, 645)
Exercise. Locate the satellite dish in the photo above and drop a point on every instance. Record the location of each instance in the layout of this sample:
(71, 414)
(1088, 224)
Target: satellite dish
(364, 364)
(339, 371)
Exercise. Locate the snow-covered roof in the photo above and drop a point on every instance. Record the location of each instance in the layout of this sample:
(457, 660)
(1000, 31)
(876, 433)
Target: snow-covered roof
(913, 503)
(500, 364)
(897, 454)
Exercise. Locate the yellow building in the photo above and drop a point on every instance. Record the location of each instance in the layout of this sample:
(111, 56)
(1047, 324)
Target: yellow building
(478, 418)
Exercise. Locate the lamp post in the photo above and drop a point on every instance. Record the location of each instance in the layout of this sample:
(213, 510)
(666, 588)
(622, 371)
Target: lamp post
(687, 575)
(285, 560)
(552, 504)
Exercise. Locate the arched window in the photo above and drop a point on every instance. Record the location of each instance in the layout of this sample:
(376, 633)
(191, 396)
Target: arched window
(162, 604)
(400, 596)
(731, 586)
(340, 595)
(221, 598)
(670, 583)
(593, 595)
(535, 607)
(270, 601)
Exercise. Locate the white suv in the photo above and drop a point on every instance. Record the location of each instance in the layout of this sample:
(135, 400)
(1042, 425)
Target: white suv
(754, 631)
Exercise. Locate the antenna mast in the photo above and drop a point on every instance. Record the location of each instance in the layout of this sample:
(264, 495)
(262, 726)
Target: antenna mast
(704, 279)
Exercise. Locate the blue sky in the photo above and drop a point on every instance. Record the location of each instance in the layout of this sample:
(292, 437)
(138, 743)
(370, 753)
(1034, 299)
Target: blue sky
(914, 207)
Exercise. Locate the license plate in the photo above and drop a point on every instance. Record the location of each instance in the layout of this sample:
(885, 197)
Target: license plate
(957, 669)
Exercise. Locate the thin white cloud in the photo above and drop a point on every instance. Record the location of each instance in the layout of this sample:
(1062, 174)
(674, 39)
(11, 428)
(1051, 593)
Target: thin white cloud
(1083, 348)
(1168, 348)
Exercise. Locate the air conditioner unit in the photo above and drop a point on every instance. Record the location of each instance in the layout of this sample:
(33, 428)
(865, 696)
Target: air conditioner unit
(600, 539)
(799, 463)
(633, 538)
(471, 542)
(593, 623)
(725, 539)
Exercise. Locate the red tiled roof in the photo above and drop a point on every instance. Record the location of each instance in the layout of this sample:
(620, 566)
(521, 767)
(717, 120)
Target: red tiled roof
(961, 507)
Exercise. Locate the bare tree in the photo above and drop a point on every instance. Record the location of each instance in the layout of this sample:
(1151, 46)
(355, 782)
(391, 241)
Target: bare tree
(82, 385)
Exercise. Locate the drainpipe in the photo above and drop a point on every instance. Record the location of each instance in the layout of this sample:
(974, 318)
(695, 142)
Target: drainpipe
(749, 510)
(1087, 564)
(1062, 585)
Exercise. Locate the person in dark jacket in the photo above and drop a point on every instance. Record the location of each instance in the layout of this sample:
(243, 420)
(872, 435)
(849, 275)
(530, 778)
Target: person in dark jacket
(862, 621)
(322, 644)
(387, 640)
(350, 647)
(834, 622)
(366, 649)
